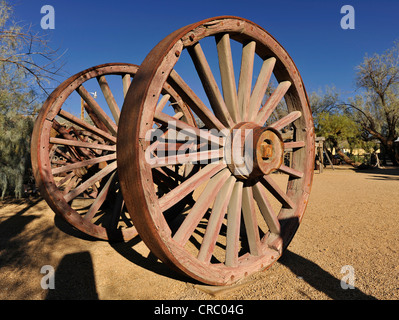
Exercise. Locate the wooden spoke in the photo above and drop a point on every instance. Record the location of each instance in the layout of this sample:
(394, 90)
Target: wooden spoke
(272, 102)
(65, 179)
(250, 221)
(195, 103)
(65, 155)
(285, 121)
(178, 115)
(266, 209)
(171, 173)
(156, 144)
(233, 225)
(227, 76)
(290, 171)
(68, 155)
(169, 145)
(59, 162)
(100, 199)
(210, 86)
(275, 190)
(192, 157)
(203, 203)
(126, 81)
(92, 103)
(216, 219)
(81, 164)
(75, 120)
(260, 88)
(294, 145)
(162, 103)
(88, 145)
(91, 181)
(66, 134)
(169, 121)
(71, 184)
(109, 97)
(85, 134)
(245, 82)
(94, 118)
(180, 192)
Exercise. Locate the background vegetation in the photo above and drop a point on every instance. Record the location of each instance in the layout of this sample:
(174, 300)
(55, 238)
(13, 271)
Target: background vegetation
(368, 120)
(27, 67)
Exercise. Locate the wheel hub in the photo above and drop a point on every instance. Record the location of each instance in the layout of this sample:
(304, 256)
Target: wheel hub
(253, 151)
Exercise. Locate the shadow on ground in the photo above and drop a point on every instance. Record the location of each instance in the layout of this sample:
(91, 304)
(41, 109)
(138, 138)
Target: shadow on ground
(387, 173)
(74, 275)
(74, 279)
(150, 262)
(320, 279)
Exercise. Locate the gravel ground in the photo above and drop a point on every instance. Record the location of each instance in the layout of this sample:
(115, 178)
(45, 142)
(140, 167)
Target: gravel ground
(350, 228)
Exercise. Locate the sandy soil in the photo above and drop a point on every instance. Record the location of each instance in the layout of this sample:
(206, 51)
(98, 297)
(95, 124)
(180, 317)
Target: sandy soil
(351, 220)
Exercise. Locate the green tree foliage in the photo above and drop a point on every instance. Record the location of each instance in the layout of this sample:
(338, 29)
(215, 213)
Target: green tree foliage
(23, 77)
(14, 152)
(337, 128)
(336, 125)
(333, 123)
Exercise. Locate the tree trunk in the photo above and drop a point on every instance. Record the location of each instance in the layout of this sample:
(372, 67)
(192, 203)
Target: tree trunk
(389, 147)
(344, 156)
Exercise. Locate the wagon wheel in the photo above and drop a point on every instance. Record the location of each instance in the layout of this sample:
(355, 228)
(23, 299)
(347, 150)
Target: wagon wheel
(74, 149)
(248, 205)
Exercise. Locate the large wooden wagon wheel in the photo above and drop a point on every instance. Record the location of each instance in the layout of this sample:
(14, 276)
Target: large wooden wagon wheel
(74, 149)
(247, 200)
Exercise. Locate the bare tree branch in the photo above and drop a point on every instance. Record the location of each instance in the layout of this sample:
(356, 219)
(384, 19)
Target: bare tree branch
(28, 51)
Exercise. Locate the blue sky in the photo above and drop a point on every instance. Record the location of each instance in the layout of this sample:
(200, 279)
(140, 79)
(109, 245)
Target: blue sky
(96, 32)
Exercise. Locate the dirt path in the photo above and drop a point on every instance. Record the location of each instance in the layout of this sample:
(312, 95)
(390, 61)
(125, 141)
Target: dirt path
(351, 220)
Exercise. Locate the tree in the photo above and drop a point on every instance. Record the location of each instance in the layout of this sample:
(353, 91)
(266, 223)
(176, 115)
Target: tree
(17, 110)
(377, 109)
(338, 128)
(14, 152)
(323, 101)
(27, 64)
(333, 123)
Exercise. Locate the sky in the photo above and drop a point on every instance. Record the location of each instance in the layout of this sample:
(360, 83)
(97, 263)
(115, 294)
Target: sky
(95, 32)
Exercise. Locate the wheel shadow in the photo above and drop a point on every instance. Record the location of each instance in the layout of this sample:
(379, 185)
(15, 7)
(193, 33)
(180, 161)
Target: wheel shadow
(151, 262)
(320, 279)
(68, 229)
